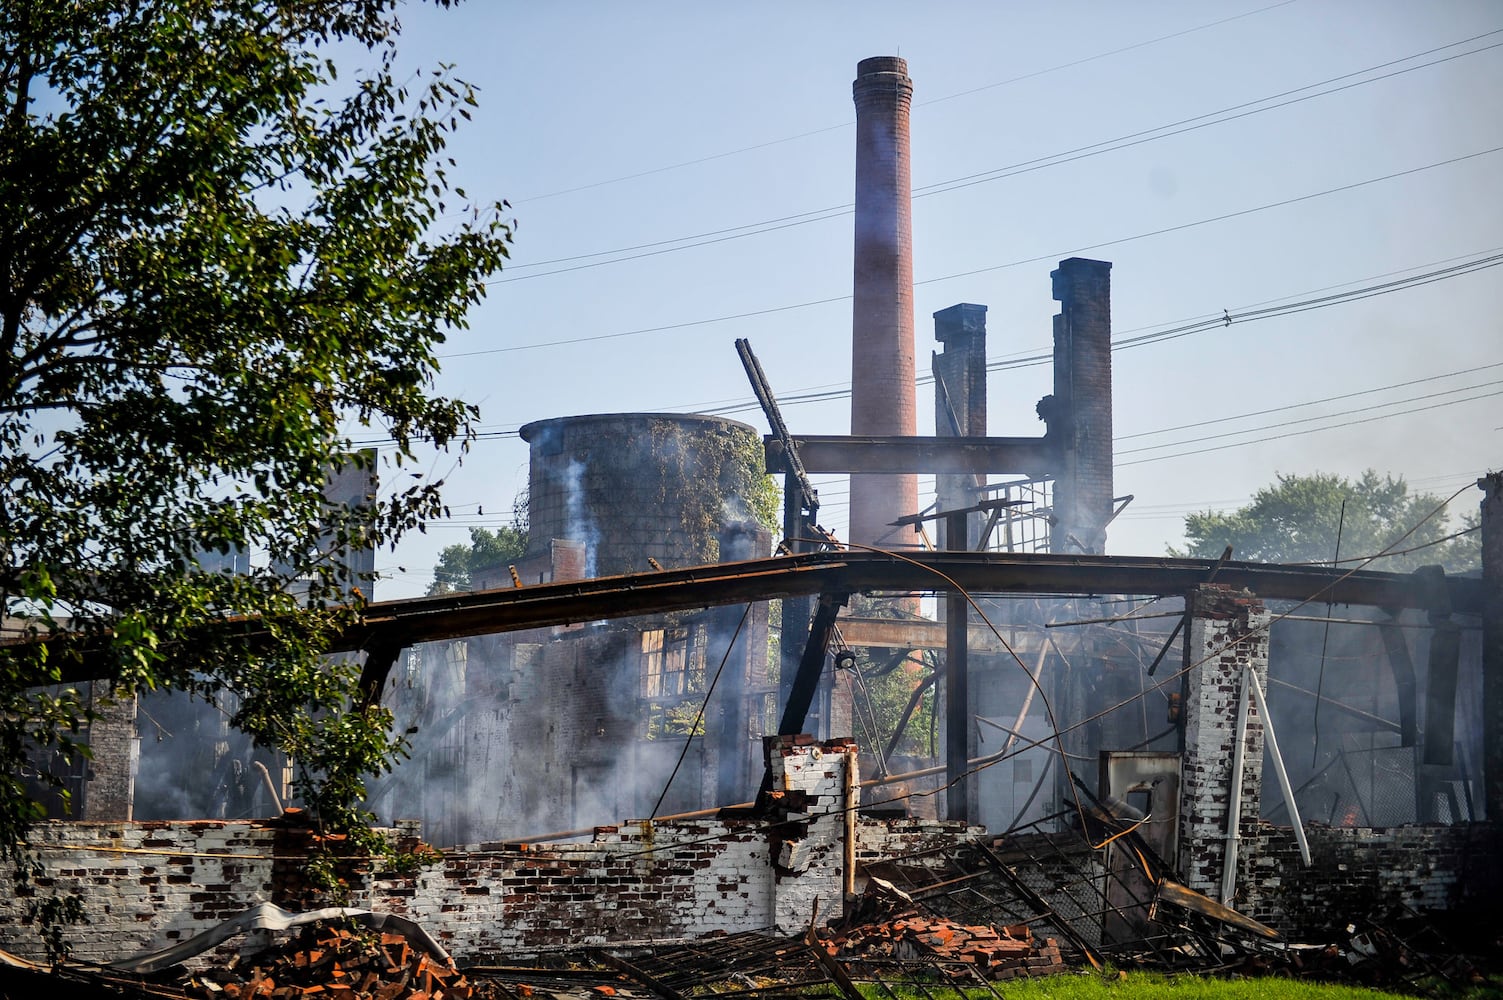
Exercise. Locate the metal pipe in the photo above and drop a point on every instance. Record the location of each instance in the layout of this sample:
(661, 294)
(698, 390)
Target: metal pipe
(271, 788)
(850, 801)
(1377, 720)
(1033, 687)
(1278, 765)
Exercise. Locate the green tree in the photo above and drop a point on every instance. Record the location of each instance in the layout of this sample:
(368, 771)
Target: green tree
(218, 262)
(1297, 519)
(457, 563)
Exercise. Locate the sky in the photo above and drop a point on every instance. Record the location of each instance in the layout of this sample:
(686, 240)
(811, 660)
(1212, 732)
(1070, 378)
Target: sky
(680, 175)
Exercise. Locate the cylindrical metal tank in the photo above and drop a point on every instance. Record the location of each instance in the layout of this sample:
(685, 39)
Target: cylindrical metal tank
(634, 486)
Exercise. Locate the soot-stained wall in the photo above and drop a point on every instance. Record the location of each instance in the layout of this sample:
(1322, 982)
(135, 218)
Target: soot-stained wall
(152, 884)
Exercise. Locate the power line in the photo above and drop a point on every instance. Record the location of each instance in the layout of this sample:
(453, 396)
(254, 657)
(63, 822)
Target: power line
(948, 97)
(1246, 109)
(1180, 127)
(1227, 318)
(1326, 416)
(1313, 402)
(1297, 306)
(983, 270)
(1311, 430)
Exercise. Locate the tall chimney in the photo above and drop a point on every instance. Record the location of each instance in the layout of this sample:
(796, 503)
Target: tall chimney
(882, 349)
(1082, 405)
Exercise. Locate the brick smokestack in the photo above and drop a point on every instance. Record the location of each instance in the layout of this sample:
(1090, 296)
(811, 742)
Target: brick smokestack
(1080, 417)
(882, 348)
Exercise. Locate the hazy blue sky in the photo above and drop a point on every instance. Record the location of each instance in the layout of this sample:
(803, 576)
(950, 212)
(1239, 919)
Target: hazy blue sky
(628, 130)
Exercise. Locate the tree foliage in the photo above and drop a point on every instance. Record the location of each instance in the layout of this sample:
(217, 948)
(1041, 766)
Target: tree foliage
(1298, 518)
(219, 260)
(457, 564)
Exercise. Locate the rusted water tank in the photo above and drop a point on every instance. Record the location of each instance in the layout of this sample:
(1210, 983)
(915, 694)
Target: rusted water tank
(634, 486)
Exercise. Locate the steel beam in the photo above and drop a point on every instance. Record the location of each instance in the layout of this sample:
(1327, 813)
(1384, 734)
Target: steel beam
(455, 616)
(957, 690)
(977, 456)
(894, 633)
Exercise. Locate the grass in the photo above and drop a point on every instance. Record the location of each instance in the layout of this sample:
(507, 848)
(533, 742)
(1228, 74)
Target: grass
(1146, 986)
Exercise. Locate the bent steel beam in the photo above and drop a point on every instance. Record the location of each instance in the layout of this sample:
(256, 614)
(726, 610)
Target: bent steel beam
(455, 616)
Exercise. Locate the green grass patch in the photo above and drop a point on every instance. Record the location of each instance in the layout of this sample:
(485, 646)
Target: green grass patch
(1147, 986)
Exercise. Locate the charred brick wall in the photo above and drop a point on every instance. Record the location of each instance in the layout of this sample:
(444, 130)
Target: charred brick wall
(1227, 633)
(152, 884)
(147, 885)
(111, 784)
(1079, 413)
(1358, 873)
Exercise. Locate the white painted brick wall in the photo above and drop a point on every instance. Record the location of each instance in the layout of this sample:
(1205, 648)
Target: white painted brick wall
(1228, 630)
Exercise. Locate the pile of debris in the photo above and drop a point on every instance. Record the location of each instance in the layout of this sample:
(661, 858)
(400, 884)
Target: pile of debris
(328, 962)
(1008, 952)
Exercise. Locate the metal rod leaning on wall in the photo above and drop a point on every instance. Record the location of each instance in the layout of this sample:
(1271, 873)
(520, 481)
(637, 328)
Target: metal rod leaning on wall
(851, 801)
(1278, 765)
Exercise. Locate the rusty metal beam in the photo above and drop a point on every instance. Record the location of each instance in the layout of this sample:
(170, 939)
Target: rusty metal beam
(901, 455)
(454, 616)
(451, 616)
(894, 633)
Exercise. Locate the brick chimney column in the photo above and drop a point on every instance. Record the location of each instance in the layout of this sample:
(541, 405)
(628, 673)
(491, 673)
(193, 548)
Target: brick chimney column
(1080, 413)
(882, 345)
(1227, 633)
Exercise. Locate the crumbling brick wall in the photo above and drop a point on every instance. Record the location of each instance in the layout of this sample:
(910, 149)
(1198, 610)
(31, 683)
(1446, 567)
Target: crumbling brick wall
(1357, 873)
(152, 884)
(1227, 633)
(147, 885)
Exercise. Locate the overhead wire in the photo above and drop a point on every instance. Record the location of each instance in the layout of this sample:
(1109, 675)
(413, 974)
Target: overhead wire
(1306, 420)
(1310, 430)
(1312, 402)
(1074, 251)
(1294, 307)
(1229, 114)
(936, 100)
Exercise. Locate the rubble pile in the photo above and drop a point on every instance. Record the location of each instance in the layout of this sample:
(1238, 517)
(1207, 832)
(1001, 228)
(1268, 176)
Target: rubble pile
(1008, 952)
(326, 962)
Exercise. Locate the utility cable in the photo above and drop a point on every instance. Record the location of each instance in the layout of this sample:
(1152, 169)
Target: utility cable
(1200, 325)
(1229, 114)
(1056, 255)
(1306, 420)
(1308, 430)
(1313, 402)
(948, 97)
(1385, 554)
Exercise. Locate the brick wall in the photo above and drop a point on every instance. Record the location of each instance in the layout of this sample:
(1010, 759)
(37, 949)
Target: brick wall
(883, 393)
(1357, 873)
(1080, 411)
(152, 884)
(110, 788)
(146, 885)
(1227, 632)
